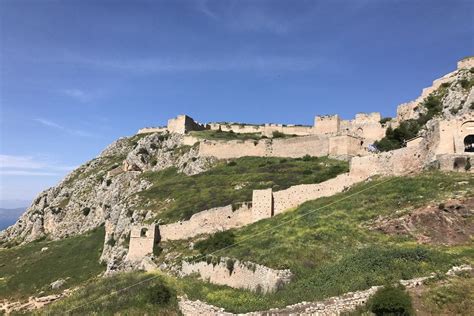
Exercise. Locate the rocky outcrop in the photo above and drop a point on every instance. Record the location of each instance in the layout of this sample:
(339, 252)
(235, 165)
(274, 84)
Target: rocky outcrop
(101, 192)
(447, 223)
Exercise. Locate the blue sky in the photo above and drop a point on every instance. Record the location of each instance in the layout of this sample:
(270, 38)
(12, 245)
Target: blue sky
(76, 75)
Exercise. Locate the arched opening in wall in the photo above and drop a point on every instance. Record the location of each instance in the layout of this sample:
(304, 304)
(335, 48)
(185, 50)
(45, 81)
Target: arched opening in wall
(469, 144)
(360, 131)
(143, 232)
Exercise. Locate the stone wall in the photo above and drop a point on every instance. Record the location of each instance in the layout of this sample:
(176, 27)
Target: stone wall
(452, 134)
(346, 145)
(298, 194)
(262, 204)
(327, 124)
(207, 222)
(456, 162)
(395, 162)
(142, 241)
(147, 130)
(237, 274)
(265, 204)
(182, 124)
(295, 147)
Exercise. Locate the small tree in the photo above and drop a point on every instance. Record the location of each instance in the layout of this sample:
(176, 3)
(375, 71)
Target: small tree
(391, 300)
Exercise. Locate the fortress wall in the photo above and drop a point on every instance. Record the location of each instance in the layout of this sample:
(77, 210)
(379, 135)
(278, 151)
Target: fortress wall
(285, 147)
(233, 149)
(456, 162)
(314, 145)
(237, 128)
(262, 204)
(147, 130)
(207, 222)
(298, 194)
(140, 246)
(242, 275)
(189, 140)
(345, 145)
(395, 162)
(182, 124)
(327, 124)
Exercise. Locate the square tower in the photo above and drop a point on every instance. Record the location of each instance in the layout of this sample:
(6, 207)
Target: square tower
(262, 204)
(327, 124)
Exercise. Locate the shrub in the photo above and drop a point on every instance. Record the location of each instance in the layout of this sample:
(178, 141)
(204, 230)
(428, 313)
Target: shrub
(215, 242)
(385, 120)
(159, 294)
(157, 250)
(111, 242)
(277, 134)
(153, 162)
(230, 265)
(86, 211)
(143, 151)
(467, 166)
(108, 182)
(391, 300)
(232, 163)
(445, 84)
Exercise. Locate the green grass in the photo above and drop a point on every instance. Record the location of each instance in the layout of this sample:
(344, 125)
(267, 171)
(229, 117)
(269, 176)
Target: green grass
(25, 270)
(219, 185)
(98, 297)
(454, 296)
(332, 250)
(220, 135)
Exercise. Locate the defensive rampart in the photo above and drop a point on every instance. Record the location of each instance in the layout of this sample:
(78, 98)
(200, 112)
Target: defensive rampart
(237, 274)
(207, 222)
(314, 145)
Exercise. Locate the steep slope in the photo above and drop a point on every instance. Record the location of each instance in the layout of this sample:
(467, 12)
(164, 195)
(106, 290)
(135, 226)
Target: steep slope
(335, 248)
(153, 177)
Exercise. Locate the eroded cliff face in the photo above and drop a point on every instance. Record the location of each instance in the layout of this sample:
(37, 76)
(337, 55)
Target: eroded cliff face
(455, 91)
(101, 192)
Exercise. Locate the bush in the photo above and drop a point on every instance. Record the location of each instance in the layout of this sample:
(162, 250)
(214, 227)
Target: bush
(391, 300)
(215, 242)
(86, 211)
(277, 134)
(231, 163)
(111, 242)
(385, 120)
(230, 265)
(159, 294)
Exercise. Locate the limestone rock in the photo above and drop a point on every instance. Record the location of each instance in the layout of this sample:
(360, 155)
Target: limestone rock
(57, 284)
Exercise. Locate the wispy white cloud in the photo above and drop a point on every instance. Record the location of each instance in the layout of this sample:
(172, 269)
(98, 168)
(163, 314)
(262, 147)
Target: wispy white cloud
(203, 7)
(30, 166)
(77, 94)
(163, 65)
(253, 16)
(68, 130)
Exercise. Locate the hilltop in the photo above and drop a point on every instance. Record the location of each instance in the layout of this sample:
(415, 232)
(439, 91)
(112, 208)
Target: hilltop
(316, 211)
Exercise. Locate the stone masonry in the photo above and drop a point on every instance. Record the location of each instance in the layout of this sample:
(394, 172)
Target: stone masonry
(237, 274)
(142, 240)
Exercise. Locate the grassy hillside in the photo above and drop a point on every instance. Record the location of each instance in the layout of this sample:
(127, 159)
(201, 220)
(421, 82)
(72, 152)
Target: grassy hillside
(175, 196)
(334, 250)
(26, 270)
(99, 297)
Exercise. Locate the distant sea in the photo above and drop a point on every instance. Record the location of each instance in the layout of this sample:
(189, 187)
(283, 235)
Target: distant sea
(8, 216)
